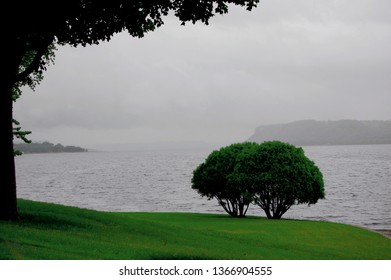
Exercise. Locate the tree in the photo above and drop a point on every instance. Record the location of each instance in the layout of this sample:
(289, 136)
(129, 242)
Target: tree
(31, 27)
(279, 175)
(212, 179)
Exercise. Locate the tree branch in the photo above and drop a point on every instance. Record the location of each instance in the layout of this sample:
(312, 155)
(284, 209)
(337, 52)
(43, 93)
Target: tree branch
(245, 210)
(34, 65)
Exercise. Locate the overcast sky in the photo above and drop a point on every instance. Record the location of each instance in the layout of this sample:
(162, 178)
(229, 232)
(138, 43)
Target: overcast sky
(286, 60)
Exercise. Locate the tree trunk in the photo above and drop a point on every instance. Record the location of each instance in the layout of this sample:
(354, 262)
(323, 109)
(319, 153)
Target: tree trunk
(276, 216)
(267, 212)
(12, 56)
(8, 209)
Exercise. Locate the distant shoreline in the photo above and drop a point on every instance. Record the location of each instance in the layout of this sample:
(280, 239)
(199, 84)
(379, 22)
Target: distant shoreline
(46, 148)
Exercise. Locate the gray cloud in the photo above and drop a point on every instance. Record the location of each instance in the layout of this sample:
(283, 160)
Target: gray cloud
(286, 60)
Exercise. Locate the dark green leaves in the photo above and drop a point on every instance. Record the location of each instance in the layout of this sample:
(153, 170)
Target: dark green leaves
(274, 175)
(213, 179)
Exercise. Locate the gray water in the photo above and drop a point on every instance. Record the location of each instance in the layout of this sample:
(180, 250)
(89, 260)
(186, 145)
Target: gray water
(357, 183)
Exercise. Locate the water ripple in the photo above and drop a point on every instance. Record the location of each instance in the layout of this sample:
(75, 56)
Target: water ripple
(357, 182)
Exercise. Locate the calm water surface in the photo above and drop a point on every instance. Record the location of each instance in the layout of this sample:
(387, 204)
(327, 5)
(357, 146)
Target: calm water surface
(357, 183)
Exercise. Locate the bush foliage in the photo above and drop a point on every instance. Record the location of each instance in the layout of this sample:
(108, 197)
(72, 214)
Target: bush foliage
(273, 175)
(211, 179)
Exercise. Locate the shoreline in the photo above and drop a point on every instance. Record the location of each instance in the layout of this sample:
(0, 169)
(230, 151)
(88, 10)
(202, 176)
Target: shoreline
(385, 232)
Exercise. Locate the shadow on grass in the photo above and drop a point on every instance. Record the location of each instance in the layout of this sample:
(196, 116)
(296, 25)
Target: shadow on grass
(228, 217)
(50, 221)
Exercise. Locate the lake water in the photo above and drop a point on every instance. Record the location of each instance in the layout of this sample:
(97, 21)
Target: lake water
(357, 183)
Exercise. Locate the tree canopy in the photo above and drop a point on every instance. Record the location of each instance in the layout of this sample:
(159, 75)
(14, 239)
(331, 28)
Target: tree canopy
(35, 25)
(279, 175)
(273, 175)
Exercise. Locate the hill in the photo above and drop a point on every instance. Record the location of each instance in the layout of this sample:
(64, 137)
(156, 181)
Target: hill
(311, 132)
(47, 147)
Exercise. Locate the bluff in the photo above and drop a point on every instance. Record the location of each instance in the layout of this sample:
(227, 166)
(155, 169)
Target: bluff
(311, 132)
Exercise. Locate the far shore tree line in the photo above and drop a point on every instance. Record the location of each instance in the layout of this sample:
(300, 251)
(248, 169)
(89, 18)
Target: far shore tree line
(46, 147)
(272, 175)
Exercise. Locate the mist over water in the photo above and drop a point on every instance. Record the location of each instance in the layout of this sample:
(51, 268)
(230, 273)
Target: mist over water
(357, 182)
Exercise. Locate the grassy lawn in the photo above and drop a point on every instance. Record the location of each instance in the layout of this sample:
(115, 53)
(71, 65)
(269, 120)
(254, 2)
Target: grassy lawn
(49, 231)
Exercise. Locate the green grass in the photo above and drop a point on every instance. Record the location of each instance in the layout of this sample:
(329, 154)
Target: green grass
(49, 231)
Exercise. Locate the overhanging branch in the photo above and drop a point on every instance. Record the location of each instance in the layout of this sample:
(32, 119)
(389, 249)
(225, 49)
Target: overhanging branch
(34, 65)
